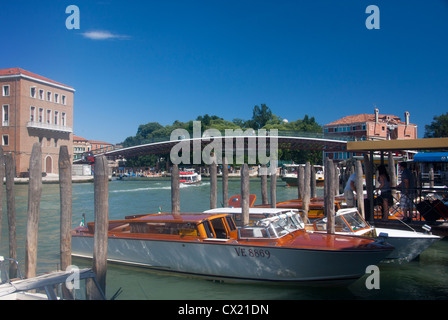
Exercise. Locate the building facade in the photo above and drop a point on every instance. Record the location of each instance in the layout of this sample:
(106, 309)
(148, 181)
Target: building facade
(80, 146)
(369, 127)
(35, 109)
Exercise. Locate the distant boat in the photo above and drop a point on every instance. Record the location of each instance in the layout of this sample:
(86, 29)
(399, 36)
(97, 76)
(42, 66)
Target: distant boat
(275, 249)
(189, 177)
(290, 174)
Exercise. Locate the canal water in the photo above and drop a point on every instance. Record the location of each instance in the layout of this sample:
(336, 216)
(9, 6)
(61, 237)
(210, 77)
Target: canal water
(423, 279)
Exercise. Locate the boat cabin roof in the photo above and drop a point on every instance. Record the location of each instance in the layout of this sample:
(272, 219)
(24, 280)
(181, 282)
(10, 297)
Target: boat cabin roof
(178, 218)
(270, 211)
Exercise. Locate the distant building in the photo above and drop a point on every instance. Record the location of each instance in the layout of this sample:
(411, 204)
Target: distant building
(369, 127)
(35, 109)
(80, 146)
(101, 145)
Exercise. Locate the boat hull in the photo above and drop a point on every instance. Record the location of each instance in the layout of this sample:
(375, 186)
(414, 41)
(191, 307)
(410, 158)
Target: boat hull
(220, 259)
(408, 244)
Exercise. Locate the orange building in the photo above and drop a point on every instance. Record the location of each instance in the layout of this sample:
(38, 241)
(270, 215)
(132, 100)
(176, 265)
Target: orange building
(369, 127)
(35, 109)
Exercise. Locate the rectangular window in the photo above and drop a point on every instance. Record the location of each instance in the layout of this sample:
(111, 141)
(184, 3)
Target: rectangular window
(48, 96)
(56, 97)
(33, 92)
(41, 115)
(64, 100)
(56, 117)
(63, 119)
(6, 91)
(5, 115)
(49, 116)
(32, 113)
(5, 140)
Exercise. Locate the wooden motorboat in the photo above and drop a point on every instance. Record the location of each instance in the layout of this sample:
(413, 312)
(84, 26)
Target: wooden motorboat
(316, 206)
(408, 244)
(275, 249)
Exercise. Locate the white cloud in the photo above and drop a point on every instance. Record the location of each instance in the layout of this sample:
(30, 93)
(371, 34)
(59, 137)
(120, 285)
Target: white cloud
(103, 35)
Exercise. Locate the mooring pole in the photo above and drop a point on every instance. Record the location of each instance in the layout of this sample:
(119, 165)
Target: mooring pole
(329, 194)
(10, 172)
(213, 184)
(264, 184)
(65, 190)
(2, 175)
(245, 193)
(101, 194)
(32, 226)
(175, 206)
(225, 182)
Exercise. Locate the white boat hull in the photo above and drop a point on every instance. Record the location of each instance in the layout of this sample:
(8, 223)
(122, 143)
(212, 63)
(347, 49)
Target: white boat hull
(408, 244)
(233, 261)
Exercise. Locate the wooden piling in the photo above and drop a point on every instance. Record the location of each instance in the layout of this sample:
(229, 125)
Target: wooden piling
(2, 175)
(273, 188)
(65, 190)
(10, 172)
(300, 181)
(329, 195)
(245, 193)
(101, 203)
(306, 190)
(313, 182)
(175, 206)
(34, 195)
(264, 184)
(213, 185)
(225, 182)
(368, 165)
(392, 173)
(359, 188)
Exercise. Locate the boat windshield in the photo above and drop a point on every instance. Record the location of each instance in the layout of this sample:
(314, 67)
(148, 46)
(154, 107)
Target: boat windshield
(345, 221)
(273, 227)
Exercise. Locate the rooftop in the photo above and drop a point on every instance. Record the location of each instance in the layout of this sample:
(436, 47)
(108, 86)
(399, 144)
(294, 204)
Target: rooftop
(365, 117)
(14, 72)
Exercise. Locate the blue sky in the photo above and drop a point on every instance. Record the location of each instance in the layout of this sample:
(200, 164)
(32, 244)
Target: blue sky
(134, 62)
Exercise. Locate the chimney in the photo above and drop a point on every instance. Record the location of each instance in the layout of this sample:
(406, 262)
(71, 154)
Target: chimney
(406, 118)
(376, 115)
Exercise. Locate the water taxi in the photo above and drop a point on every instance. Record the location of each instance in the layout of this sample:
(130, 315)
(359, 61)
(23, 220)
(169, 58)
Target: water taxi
(189, 177)
(275, 249)
(316, 206)
(408, 244)
(289, 174)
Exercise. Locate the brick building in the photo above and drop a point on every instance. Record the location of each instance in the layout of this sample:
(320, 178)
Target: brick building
(370, 127)
(35, 109)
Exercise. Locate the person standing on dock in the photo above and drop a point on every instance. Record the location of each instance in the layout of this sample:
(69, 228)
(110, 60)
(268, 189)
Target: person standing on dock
(407, 191)
(386, 193)
(349, 190)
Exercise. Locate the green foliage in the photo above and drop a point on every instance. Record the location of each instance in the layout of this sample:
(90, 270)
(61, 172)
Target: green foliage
(438, 128)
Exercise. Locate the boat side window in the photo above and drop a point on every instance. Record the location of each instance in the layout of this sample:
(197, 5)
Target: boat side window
(231, 223)
(208, 229)
(219, 227)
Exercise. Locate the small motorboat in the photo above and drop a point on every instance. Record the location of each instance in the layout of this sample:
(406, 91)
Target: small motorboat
(274, 249)
(189, 177)
(408, 244)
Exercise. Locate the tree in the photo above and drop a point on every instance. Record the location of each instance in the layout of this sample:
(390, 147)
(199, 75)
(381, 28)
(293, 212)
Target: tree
(260, 116)
(438, 128)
